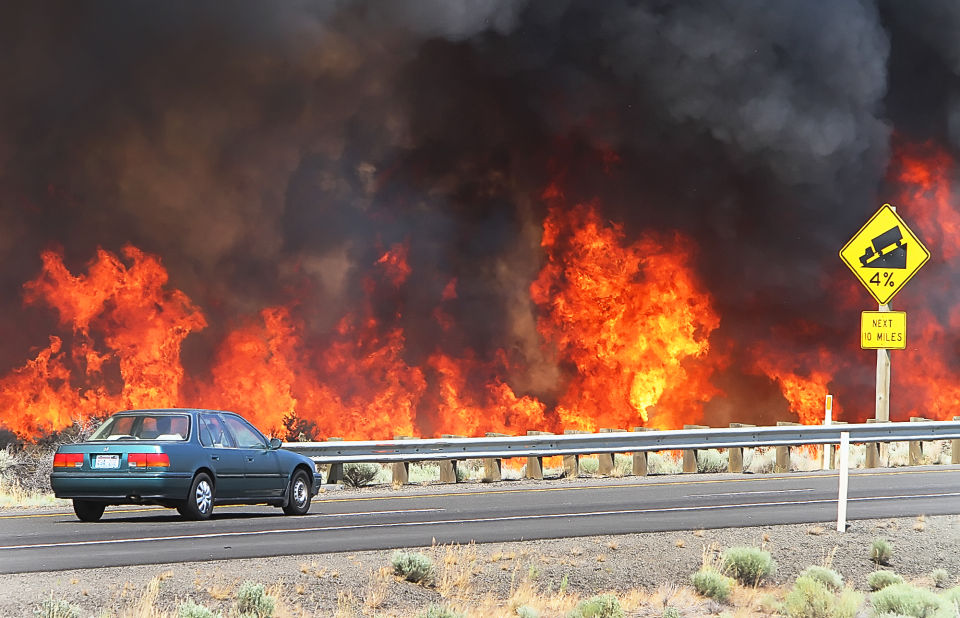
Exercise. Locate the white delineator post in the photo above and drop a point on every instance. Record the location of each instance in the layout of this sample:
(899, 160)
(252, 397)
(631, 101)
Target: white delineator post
(827, 420)
(843, 467)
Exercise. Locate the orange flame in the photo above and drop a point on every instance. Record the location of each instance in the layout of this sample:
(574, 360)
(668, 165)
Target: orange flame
(627, 322)
(631, 317)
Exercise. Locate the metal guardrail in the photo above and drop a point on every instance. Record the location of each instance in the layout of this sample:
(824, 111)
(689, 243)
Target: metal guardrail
(445, 449)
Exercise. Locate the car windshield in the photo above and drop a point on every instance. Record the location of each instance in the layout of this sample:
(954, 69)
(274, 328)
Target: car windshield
(144, 427)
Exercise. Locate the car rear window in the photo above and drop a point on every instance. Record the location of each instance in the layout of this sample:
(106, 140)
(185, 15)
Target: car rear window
(163, 427)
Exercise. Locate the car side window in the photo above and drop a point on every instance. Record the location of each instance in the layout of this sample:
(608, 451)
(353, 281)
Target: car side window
(212, 432)
(245, 434)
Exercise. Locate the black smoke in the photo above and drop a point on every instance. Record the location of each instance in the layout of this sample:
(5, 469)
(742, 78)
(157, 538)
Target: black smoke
(261, 148)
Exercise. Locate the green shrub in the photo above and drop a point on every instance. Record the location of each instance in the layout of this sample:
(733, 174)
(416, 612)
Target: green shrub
(253, 601)
(768, 603)
(908, 600)
(748, 565)
(439, 611)
(671, 612)
(525, 611)
(413, 567)
(189, 609)
(952, 596)
(711, 461)
(56, 608)
(881, 551)
(589, 465)
(811, 597)
(709, 583)
(658, 463)
(848, 603)
(600, 606)
(831, 578)
(941, 578)
(360, 474)
(881, 579)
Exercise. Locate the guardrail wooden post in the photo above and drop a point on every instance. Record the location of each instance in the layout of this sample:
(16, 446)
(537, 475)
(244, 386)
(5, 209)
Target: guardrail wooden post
(605, 461)
(535, 464)
(640, 458)
(492, 466)
(332, 473)
(571, 463)
(448, 467)
(872, 456)
(690, 455)
(401, 469)
(782, 463)
(955, 447)
(735, 455)
(915, 447)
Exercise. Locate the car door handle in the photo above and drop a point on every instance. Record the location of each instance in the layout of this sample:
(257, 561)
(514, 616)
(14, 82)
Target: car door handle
(249, 458)
(215, 457)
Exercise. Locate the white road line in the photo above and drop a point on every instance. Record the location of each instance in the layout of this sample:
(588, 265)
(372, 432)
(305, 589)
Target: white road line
(751, 493)
(214, 535)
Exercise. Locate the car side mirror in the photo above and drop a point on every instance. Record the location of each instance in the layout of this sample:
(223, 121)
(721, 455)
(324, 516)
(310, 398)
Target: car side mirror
(275, 443)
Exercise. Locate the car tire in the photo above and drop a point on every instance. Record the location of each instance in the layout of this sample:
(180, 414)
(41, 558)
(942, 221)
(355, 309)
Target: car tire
(199, 502)
(298, 494)
(88, 510)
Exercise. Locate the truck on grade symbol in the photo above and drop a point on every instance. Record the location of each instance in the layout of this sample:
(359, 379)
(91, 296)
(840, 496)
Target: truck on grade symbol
(886, 251)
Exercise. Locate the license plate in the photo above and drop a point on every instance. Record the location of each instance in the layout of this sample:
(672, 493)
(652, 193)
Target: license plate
(106, 461)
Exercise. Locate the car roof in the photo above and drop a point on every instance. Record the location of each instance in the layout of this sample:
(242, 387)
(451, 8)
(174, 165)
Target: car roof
(160, 411)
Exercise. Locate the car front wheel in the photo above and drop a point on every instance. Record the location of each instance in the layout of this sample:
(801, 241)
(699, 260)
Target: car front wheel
(88, 510)
(199, 502)
(298, 502)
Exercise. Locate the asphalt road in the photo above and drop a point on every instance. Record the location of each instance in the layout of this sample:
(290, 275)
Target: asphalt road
(510, 511)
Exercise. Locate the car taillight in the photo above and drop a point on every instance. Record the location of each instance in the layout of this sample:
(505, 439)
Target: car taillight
(148, 460)
(68, 460)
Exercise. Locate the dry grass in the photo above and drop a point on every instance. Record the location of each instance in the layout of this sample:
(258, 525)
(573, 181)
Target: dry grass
(378, 587)
(455, 567)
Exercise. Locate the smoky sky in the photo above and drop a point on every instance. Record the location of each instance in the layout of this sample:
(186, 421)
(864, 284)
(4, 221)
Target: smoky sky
(270, 149)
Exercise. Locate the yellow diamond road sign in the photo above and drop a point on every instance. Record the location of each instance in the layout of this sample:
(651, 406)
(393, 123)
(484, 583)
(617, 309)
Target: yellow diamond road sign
(884, 254)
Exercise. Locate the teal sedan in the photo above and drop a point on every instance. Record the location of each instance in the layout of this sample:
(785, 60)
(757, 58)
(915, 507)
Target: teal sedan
(189, 460)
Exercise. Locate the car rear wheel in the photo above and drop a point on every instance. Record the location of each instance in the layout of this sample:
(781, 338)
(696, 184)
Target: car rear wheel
(88, 510)
(199, 502)
(298, 502)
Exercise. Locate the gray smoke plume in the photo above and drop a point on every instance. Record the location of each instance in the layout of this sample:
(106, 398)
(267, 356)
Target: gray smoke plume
(256, 146)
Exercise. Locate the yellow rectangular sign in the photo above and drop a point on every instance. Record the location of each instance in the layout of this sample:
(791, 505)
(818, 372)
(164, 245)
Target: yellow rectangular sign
(883, 330)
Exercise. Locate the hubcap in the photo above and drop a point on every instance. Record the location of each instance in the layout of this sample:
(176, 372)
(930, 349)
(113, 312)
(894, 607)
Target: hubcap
(204, 497)
(300, 492)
